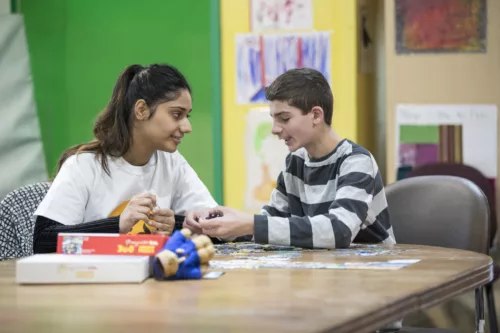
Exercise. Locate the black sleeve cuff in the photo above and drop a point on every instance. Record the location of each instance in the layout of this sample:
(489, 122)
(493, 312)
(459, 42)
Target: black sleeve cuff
(261, 229)
(46, 231)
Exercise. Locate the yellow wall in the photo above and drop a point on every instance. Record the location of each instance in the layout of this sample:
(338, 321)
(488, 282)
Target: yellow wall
(338, 16)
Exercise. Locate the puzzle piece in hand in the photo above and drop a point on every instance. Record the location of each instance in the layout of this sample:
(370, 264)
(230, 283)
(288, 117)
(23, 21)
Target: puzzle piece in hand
(214, 215)
(142, 227)
(183, 257)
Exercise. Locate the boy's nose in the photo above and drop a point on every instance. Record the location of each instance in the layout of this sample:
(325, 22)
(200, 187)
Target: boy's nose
(276, 130)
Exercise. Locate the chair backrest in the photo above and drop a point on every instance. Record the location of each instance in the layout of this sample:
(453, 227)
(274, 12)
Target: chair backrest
(444, 211)
(17, 221)
(467, 172)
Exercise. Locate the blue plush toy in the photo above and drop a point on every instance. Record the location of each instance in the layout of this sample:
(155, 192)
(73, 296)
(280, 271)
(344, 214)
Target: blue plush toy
(183, 257)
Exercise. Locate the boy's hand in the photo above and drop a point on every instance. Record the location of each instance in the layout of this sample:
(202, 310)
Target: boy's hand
(232, 224)
(191, 222)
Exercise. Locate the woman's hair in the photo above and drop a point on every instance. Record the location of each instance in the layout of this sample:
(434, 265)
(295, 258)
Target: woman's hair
(155, 84)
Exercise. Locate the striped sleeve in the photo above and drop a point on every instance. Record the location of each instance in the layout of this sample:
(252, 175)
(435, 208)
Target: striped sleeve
(335, 229)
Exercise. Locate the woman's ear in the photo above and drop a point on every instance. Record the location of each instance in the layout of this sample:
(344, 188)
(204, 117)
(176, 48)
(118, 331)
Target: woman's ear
(318, 115)
(141, 110)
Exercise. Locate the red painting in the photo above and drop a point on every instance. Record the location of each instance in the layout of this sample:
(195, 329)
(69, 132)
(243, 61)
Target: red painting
(440, 26)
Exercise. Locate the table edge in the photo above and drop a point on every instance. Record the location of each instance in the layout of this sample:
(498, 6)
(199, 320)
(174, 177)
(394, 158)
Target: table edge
(461, 283)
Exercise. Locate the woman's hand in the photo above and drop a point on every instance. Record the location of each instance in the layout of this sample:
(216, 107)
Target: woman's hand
(163, 220)
(139, 208)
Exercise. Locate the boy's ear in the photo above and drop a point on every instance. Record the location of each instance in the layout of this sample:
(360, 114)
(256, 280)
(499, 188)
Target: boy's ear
(318, 115)
(141, 110)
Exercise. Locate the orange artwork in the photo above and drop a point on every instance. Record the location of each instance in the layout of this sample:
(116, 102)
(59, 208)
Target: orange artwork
(436, 26)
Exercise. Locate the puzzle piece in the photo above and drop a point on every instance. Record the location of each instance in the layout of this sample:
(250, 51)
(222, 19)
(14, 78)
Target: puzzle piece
(142, 227)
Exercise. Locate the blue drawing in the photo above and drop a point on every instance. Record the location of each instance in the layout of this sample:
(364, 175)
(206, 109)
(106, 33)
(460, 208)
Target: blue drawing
(262, 58)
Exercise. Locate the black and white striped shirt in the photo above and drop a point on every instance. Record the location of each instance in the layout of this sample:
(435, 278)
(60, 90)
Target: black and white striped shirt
(327, 202)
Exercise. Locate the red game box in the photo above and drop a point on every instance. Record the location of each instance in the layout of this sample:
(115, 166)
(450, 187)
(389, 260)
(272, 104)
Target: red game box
(110, 244)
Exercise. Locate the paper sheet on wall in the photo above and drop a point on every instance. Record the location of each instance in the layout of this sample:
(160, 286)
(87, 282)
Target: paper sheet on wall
(262, 58)
(447, 133)
(281, 14)
(264, 156)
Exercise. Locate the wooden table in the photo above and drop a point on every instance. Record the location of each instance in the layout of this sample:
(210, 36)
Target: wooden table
(260, 300)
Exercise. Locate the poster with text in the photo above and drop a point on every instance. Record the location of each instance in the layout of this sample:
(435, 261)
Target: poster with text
(281, 15)
(264, 157)
(464, 134)
(262, 58)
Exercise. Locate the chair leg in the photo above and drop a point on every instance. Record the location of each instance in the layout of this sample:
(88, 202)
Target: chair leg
(479, 310)
(491, 308)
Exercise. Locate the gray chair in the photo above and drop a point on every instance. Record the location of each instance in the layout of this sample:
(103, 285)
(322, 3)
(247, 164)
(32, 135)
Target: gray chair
(424, 210)
(17, 221)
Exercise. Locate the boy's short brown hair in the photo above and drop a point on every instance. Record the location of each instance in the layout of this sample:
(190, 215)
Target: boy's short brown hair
(303, 88)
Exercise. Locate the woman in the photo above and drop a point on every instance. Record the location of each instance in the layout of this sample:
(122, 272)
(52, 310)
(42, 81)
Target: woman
(131, 175)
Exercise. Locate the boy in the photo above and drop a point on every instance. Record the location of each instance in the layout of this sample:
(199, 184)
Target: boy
(330, 193)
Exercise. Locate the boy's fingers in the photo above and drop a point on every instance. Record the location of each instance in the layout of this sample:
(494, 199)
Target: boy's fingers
(214, 232)
(214, 210)
(224, 209)
(206, 223)
(192, 223)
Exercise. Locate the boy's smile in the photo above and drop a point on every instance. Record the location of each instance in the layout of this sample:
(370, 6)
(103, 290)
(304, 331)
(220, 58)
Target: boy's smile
(291, 125)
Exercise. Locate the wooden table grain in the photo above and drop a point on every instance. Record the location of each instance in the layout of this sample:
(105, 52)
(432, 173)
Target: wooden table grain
(249, 300)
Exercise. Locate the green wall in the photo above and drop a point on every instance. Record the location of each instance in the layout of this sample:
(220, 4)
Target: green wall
(45, 31)
(78, 48)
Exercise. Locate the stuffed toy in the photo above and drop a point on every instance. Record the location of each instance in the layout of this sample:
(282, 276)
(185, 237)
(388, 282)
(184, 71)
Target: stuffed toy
(183, 257)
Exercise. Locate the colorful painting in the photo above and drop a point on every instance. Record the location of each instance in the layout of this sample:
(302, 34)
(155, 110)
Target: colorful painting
(464, 134)
(435, 26)
(265, 158)
(424, 144)
(262, 58)
(281, 14)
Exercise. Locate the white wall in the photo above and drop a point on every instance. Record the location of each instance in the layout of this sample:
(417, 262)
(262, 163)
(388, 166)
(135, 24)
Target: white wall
(4, 7)
(22, 161)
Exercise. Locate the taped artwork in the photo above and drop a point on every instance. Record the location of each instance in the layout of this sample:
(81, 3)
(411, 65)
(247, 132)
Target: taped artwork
(441, 133)
(262, 58)
(438, 26)
(264, 158)
(281, 14)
